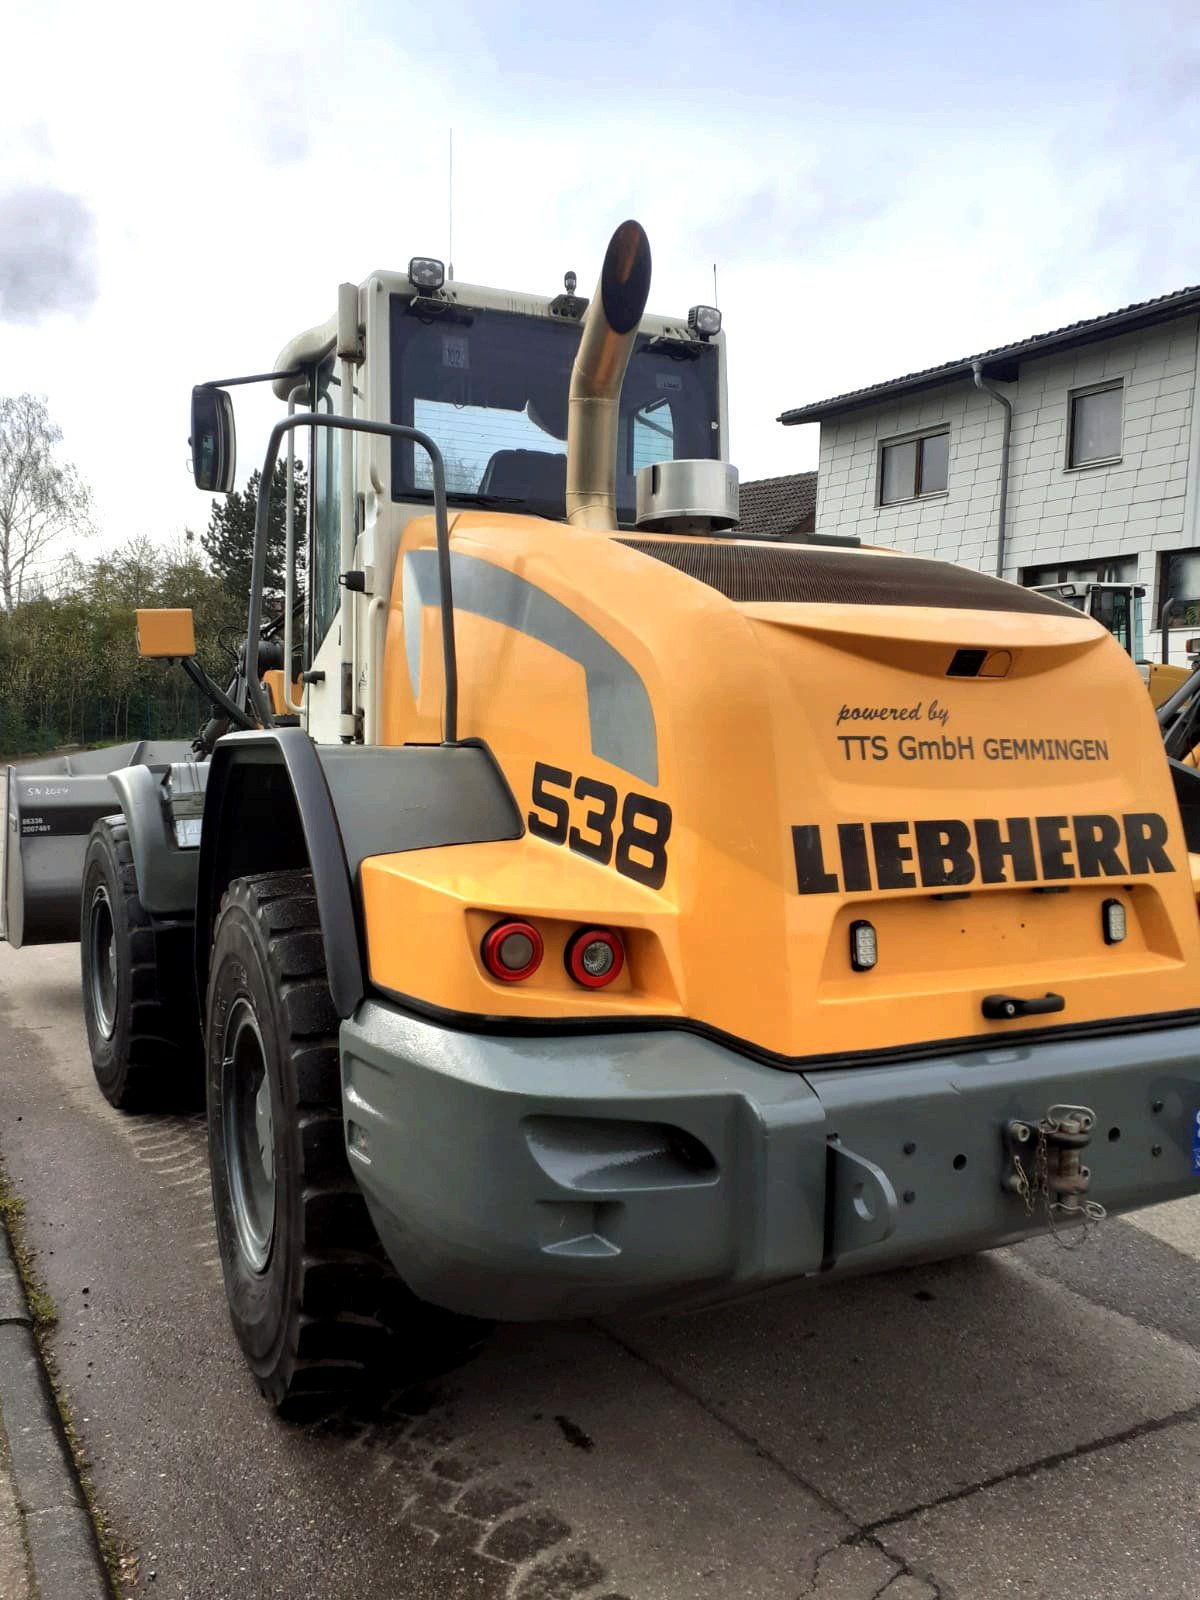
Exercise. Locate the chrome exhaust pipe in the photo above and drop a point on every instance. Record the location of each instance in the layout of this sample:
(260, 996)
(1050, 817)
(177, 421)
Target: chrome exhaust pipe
(609, 328)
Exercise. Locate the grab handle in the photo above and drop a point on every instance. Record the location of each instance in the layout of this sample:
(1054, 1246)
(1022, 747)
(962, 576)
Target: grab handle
(1003, 1007)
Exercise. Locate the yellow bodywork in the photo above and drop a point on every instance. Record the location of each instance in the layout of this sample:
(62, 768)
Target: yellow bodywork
(272, 681)
(765, 746)
(1162, 680)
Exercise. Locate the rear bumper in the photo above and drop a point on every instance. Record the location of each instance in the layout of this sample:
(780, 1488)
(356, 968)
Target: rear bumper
(522, 1178)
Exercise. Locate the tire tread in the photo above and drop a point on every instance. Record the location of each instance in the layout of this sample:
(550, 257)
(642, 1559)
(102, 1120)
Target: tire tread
(338, 1340)
(161, 1070)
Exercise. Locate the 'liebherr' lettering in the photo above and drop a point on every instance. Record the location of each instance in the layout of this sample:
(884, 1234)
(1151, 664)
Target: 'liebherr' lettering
(951, 853)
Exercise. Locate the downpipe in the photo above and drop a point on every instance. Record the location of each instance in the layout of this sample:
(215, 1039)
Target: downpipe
(988, 388)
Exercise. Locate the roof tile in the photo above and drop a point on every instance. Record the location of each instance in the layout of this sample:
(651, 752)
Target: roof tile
(1141, 312)
(772, 508)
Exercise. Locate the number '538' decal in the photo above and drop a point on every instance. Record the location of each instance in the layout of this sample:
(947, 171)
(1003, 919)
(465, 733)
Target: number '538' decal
(639, 850)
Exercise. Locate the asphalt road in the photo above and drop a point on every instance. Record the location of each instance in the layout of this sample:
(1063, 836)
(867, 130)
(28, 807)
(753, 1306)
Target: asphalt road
(1022, 1423)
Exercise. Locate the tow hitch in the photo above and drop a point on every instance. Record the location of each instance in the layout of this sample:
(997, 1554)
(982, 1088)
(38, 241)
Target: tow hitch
(1045, 1164)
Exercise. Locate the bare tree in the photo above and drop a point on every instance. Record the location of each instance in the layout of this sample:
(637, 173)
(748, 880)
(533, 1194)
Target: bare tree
(40, 497)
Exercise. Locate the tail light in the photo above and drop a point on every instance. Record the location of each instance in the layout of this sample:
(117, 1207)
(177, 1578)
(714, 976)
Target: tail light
(595, 957)
(512, 951)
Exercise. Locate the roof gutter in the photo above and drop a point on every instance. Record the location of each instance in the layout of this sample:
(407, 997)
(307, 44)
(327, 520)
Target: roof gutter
(1002, 514)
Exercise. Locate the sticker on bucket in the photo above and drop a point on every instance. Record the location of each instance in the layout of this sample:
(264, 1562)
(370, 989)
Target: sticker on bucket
(1196, 1146)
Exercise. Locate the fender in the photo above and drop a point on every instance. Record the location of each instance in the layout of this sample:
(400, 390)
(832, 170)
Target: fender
(277, 800)
(166, 873)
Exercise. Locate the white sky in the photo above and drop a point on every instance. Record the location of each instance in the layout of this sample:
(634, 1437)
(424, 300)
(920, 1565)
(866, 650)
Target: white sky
(181, 189)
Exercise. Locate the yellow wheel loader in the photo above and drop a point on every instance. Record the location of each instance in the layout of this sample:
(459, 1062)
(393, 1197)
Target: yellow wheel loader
(591, 910)
(1118, 607)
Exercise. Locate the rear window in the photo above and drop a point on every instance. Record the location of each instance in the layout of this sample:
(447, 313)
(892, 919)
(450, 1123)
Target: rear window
(491, 387)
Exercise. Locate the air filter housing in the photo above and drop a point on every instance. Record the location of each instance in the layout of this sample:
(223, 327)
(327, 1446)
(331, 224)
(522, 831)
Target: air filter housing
(687, 497)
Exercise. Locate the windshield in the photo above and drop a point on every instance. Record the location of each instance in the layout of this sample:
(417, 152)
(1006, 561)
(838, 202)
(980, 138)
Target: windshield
(491, 388)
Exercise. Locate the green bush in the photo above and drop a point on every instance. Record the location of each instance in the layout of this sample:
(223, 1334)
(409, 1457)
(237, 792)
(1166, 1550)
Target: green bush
(69, 668)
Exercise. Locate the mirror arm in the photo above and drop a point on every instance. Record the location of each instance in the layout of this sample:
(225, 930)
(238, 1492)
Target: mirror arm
(217, 695)
(254, 377)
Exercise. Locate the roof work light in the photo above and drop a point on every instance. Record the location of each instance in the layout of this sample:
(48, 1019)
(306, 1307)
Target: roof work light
(425, 272)
(704, 321)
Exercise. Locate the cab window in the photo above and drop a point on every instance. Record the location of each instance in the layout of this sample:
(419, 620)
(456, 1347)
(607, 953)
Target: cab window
(653, 430)
(325, 512)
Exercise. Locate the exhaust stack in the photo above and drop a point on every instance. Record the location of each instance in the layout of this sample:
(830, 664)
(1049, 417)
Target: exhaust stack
(609, 329)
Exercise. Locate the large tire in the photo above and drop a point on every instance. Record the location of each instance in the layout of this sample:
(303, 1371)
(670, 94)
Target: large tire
(315, 1305)
(139, 992)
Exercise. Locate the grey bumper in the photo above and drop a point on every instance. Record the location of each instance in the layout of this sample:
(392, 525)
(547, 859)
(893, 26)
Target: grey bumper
(522, 1178)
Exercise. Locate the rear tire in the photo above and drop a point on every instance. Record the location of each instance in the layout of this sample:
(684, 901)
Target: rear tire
(314, 1302)
(139, 997)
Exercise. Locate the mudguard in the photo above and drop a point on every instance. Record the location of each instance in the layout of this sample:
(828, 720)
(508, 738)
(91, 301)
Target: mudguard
(51, 806)
(277, 800)
(163, 814)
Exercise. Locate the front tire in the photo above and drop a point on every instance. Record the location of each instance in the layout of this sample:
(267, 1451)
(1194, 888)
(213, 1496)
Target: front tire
(139, 998)
(315, 1304)
(304, 1273)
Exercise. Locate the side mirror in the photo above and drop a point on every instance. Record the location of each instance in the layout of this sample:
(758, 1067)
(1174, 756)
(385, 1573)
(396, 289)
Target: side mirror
(170, 634)
(213, 441)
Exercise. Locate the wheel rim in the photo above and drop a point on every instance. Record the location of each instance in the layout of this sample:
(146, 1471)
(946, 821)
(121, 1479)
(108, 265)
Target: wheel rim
(249, 1134)
(102, 950)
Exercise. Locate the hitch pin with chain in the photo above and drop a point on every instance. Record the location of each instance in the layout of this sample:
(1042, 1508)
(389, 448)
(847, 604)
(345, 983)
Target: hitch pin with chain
(1058, 1177)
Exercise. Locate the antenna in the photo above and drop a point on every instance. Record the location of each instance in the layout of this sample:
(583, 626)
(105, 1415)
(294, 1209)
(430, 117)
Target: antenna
(716, 302)
(450, 207)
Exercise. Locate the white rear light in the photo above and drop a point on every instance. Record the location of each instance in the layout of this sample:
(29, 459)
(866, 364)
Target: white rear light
(864, 946)
(1115, 924)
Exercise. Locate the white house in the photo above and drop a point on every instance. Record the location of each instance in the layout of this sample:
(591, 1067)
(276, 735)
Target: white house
(1069, 455)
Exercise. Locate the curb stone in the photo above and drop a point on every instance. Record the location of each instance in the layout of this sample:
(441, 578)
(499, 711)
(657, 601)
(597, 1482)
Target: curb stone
(64, 1555)
(13, 1305)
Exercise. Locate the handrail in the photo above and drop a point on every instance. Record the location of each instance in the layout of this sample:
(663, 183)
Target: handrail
(387, 430)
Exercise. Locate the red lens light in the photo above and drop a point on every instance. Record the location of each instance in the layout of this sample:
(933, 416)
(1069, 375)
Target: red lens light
(595, 957)
(512, 951)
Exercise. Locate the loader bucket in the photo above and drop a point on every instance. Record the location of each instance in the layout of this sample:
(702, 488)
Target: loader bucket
(51, 806)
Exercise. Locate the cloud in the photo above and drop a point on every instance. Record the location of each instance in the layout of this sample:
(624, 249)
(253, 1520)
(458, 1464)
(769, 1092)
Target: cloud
(881, 187)
(1144, 222)
(798, 212)
(285, 101)
(47, 255)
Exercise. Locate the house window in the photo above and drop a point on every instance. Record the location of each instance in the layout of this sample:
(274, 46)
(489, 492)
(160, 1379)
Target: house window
(1179, 582)
(1117, 569)
(1095, 433)
(914, 467)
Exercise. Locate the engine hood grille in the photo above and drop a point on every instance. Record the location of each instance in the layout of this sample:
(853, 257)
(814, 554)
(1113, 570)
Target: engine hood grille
(758, 574)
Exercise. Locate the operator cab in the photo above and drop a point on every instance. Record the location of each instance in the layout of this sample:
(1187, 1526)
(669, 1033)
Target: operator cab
(486, 374)
(1115, 606)
(491, 386)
